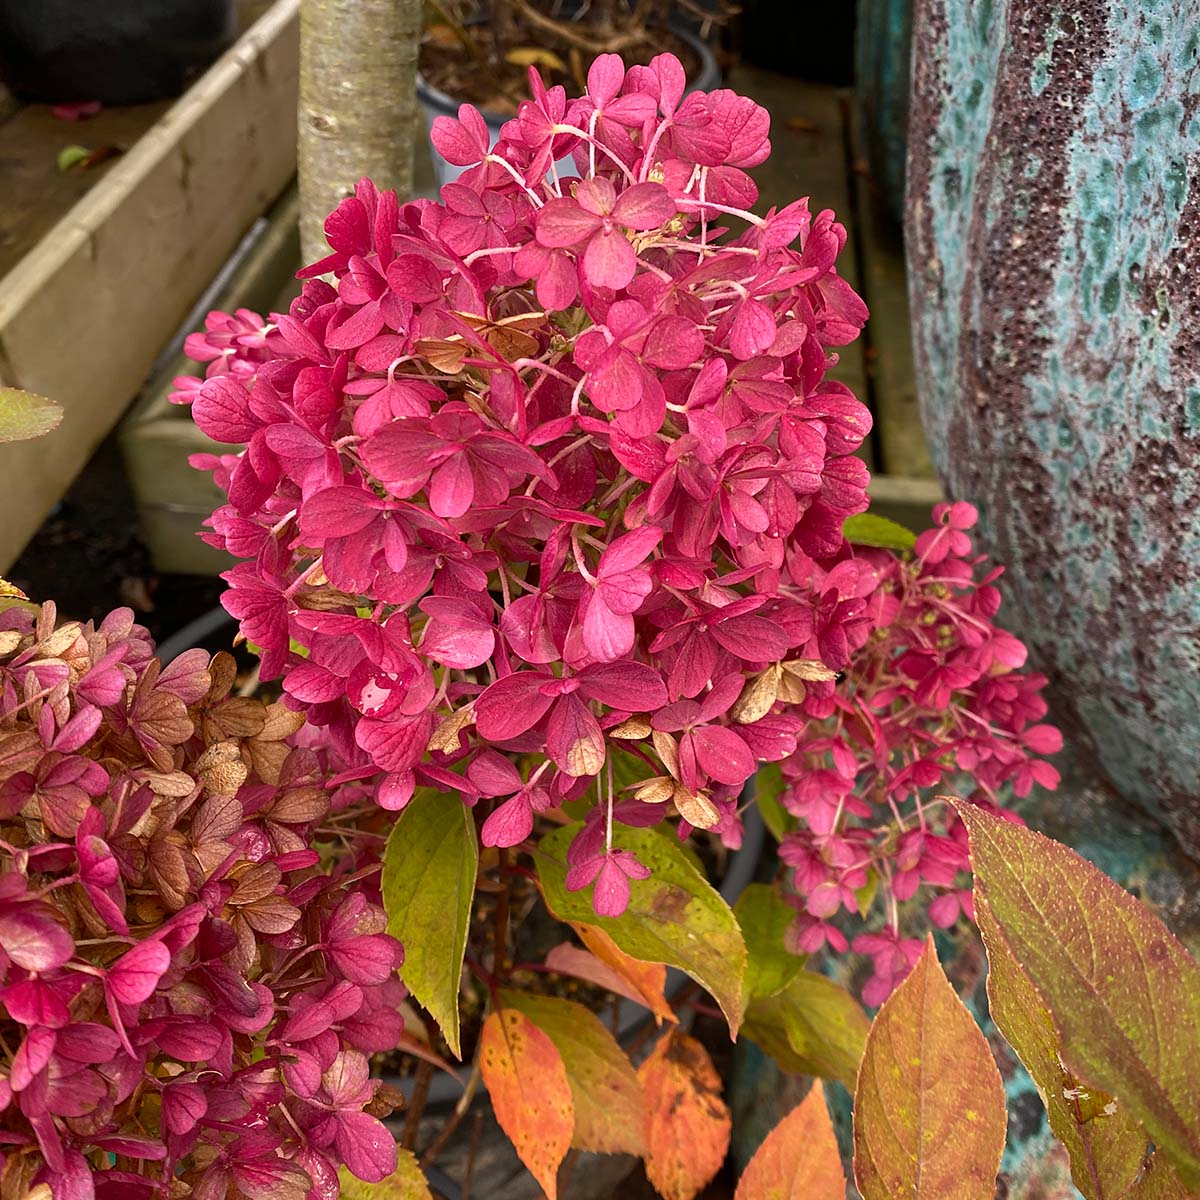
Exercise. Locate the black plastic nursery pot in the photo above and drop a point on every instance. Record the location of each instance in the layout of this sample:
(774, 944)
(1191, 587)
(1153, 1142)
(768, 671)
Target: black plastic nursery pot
(114, 51)
(436, 103)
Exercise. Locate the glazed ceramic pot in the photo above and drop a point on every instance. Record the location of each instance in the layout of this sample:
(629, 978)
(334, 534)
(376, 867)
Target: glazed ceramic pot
(1053, 233)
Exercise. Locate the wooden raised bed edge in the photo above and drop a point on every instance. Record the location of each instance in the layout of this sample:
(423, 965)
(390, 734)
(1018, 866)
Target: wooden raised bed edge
(157, 437)
(85, 314)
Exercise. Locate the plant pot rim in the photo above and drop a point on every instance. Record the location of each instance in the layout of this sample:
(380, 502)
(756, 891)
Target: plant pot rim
(708, 77)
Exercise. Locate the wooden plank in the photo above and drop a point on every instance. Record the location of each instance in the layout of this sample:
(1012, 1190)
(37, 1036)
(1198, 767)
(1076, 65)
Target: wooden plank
(83, 316)
(899, 437)
(808, 158)
(909, 501)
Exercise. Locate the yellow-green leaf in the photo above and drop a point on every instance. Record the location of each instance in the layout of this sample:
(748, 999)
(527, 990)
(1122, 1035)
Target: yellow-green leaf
(527, 1083)
(799, 1159)
(929, 1117)
(870, 529)
(768, 786)
(813, 1027)
(534, 56)
(24, 415)
(407, 1182)
(429, 871)
(674, 917)
(610, 1114)
(764, 919)
(1123, 992)
(687, 1122)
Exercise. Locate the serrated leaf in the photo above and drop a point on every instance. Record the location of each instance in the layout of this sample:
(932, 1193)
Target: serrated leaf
(765, 919)
(799, 1159)
(674, 917)
(1123, 992)
(688, 1125)
(929, 1117)
(768, 786)
(407, 1182)
(429, 870)
(870, 529)
(813, 1027)
(24, 415)
(647, 979)
(530, 1094)
(609, 1111)
(1105, 1141)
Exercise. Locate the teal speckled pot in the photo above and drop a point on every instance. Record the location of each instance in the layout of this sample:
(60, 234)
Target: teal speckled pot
(1053, 229)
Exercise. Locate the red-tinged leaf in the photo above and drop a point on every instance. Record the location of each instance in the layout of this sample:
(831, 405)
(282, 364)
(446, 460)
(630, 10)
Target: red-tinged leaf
(929, 1118)
(799, 1159)
(429, 870)
(1121, 990)
(135, 975)
(674, 916)
(609, 1110)
(647, 979)
(687, 1123)
(527, 1082)
(406, 1182)
(1105, 1141)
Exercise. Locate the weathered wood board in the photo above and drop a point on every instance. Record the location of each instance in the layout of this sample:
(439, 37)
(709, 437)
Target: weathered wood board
(84, 315)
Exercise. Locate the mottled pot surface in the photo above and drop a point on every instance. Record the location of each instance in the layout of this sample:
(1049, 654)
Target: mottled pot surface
(1053, 224)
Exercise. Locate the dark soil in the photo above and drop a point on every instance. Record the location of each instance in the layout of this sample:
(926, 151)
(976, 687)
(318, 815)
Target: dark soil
(480, 71)
(89, 559)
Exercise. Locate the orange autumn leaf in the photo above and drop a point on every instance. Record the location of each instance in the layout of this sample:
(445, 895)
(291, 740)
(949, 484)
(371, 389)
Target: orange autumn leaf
(929, 1117)
(647, 979)
(527, 1083)
(799, 1159)
(687, 1123)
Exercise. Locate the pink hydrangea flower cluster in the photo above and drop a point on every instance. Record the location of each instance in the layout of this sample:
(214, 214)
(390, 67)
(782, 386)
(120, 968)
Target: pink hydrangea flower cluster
(188, 999)
(543, 495)
(934, 696)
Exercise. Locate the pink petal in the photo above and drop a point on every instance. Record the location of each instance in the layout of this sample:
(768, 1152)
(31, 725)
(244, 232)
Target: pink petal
(607, 635)
(722, 754)
(453, 487)
(754, 639)
(753, 330)
(609, 260)
(627, 686)
(563, 223)
(644, 206)
(34, 941)
(509, 823)
(365, 1145)
(135, 975)
(222, 410)
(512, 705)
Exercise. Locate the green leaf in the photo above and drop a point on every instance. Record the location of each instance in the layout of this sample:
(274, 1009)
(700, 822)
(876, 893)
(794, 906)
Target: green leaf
(768, 787)
(765, 920)
(429, 871)
(869, 529)
(609, 1109)
(407, 1182)
(675, 916)
(69, 156)
(929, 1115)
(813, 1027)
(864, 898)
(1122, 992)
(24, 415)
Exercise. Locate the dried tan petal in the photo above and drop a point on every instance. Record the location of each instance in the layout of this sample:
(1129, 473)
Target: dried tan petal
(218, 818)
(168, 783)
(323, 599)
(18, 752)
(220, 752)
(168, 861)
(237, 717)
(654, 791)
(632, 729)
(223, 670)
(668, 751)
(757, 696)
(696, 808)
(10, 639)
(266, 759)
(60, 641)
(445, 736)
(255, 882)
(299, 806)
(271, 915)
(810, 669)
(281, 723)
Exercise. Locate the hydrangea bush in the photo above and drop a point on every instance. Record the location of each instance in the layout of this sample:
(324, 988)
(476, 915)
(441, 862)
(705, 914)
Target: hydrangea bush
(188, 994)
(544, 499)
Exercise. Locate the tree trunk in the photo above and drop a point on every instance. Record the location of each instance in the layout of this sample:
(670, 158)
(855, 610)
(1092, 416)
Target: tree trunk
(358, 105)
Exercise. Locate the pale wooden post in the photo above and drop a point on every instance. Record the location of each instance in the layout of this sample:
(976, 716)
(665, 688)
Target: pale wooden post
(358, 106)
